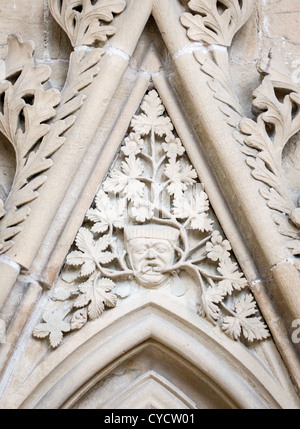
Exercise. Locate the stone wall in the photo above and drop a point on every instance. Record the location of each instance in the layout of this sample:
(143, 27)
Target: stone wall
(194, 97)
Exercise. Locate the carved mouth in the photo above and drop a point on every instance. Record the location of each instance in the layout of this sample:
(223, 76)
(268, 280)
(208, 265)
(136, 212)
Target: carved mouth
(151, 268)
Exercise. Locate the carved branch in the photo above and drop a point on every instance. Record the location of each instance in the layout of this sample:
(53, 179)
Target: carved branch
(35, 120)
(216, 65)
(132, 232)
(215, 23)
(278, 101)
(26, 111)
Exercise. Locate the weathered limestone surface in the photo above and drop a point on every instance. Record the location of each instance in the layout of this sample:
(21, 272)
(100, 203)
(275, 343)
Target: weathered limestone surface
(154, 259)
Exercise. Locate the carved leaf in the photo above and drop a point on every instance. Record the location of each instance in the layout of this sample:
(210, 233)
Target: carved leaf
(221, 84)
(286, 228)
(127, 181)
(209, 303)
(2, 211)
(142, 210)
(106, 214)
(149, 194)
(294, 246)
(252, 327)
(133, 144)
(276, 201)
(278, 113)
(19, 54)
(27, 109)
(24, 97)
(82, 19)
(54, 326)
(83, 68)
(173, 146)
(152, 118)
(216, 22)
(90, 252)
(277, 100)
(97, 295)
(233, 278)
(217, 248)
(180, 177)
(194, 210)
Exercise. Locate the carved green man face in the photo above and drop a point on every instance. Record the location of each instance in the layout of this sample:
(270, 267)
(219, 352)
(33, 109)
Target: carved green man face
(151, 249)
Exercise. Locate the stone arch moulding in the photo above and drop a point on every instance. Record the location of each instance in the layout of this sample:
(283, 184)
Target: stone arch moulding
(229, 372)
(94, 136)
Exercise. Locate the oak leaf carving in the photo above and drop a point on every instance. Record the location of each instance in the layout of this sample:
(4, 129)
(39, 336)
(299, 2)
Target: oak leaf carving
(83, 68)
(216, 22)
(82, 20)
(277, 102)
(26, 112)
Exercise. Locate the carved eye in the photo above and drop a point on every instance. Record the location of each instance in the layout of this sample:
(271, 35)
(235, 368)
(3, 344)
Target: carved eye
(162, 249)
(140, 250)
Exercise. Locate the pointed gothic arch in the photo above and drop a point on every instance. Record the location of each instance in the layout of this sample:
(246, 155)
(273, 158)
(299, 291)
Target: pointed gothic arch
(113, 98)
(98, 349)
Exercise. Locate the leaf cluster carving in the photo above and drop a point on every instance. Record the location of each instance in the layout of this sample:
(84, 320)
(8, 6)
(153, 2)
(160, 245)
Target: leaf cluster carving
(34, 120)
(277, 103)
(83, 20)
(215, 22)
(151, 184)
(276, 100)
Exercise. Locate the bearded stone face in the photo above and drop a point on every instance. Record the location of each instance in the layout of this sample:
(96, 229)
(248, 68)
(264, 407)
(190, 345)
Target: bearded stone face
(151, 250)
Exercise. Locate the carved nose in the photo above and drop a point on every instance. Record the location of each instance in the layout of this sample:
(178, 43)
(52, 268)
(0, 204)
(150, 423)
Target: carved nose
(151, 254)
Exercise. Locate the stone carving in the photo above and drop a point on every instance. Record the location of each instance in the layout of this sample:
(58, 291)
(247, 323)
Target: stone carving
(150, 222)
(150, 249)
(277, 102)
(34, 120)
(2, 332)
(82, 20)
(216, 22)
(214, 25)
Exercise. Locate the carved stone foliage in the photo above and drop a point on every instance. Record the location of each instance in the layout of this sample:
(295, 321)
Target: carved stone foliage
(86, 22)
(34, 120)
(214, 24)
(267, 142)
(150, 223)
(276, 103)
